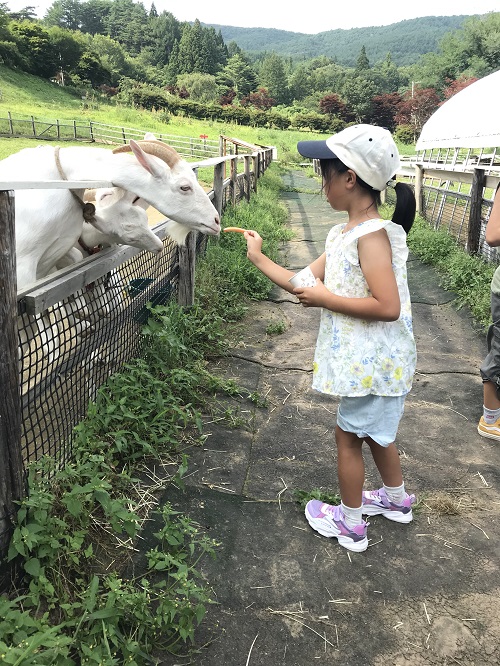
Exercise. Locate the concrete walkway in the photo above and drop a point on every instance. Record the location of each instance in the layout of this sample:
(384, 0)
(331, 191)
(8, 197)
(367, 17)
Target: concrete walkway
(422, 594)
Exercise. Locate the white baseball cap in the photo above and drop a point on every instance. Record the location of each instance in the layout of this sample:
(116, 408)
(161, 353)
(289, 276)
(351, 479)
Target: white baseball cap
(368, 150)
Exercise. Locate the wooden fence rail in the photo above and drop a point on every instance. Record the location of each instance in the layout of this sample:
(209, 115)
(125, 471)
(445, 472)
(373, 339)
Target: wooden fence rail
(72, 130)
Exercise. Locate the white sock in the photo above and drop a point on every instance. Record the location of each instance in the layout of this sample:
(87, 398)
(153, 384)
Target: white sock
(352, 517)
(490, 415)
(395, 494)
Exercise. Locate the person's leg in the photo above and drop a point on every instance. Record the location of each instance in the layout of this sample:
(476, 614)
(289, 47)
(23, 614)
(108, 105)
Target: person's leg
(391, 501)
(351, 467)
(344, 522)
(490, 396)
(387, 460)
(489, 423)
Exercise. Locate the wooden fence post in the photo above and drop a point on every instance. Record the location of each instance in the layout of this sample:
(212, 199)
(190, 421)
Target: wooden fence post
(247, 177)
(419, 173)
(187, 261)
(33, 126)
(476, 200)
(234, 180)
(255, 160)
(11, 126)
(219, 187)
(11, 463)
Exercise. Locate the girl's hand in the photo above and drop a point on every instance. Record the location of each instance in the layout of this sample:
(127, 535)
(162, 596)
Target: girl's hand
(254, 243)
(313, 297)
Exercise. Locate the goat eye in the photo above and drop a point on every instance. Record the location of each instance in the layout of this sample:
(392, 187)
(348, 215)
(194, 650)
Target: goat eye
(185, 188)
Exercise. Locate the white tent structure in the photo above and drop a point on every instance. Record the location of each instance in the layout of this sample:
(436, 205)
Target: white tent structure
(469, 119)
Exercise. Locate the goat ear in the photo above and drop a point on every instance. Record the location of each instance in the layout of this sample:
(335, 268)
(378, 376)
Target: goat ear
(145, 160)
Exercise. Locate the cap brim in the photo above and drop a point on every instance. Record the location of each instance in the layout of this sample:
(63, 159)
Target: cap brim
(317, 150)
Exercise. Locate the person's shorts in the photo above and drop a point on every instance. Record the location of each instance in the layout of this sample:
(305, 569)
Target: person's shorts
(374, 416)
(490, 367)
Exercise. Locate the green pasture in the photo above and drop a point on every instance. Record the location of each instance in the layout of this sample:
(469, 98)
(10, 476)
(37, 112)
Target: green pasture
(24, 96)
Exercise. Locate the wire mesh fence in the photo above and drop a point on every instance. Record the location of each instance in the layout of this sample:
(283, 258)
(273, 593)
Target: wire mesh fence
(70, 350)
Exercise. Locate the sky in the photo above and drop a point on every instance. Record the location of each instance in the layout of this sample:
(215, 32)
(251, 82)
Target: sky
(327, 14)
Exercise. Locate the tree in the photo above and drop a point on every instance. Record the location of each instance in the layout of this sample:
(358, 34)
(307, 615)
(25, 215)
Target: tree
(384, 110)
(65, 14)
(34, 44)
(237, 75)
(68, 47)
(416, 108)
(332, 105)
(358, 93)
(362, 62)
(456, 86)
(127, 23)
(199, 50)
(300, 83)
(112, 57)
(24, 14)
(201, 87)
(259, 100)
(387, 75)
(272, 76)
(163, 32)
(90, 70)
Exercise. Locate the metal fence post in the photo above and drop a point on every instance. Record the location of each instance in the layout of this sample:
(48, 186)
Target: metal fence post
(11, 464)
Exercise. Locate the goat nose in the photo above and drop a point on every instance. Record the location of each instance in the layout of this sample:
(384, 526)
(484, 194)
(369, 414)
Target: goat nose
(217, 220)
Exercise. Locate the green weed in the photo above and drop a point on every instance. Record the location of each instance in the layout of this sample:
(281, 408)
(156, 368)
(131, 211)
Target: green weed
(302, 497)
(469, 277)
(276, 327)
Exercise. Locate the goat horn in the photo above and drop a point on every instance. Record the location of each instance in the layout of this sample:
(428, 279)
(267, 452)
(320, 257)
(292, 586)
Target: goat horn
(156, 148)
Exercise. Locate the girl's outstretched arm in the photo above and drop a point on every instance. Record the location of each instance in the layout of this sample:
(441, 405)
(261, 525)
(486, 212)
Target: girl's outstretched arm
(272, 270)
(375, 258)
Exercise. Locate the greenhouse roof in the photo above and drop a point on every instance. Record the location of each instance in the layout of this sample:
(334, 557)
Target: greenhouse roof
(469, 119)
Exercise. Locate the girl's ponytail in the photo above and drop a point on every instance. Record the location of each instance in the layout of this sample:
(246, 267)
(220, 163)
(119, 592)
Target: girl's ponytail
(404, 212)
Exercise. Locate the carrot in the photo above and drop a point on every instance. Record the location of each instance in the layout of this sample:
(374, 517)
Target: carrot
(238, 229)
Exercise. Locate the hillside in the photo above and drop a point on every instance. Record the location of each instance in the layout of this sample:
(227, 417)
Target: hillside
(406, 40)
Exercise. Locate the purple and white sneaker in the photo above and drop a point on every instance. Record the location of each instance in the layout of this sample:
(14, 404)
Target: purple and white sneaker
(376, 502)
(329, 521)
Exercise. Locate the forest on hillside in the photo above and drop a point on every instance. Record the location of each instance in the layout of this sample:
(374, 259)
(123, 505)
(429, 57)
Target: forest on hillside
(406, 40)
(118, 49)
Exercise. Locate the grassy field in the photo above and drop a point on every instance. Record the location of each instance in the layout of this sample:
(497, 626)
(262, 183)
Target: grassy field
(24, 96)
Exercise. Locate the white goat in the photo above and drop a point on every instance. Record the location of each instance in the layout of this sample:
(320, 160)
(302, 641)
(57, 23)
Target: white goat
(49, 222)
(120, 218)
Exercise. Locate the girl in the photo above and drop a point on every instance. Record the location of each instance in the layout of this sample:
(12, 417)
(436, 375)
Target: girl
(365, 351)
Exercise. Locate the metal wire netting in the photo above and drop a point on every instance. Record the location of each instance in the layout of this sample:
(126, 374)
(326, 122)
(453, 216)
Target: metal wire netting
(70, 350)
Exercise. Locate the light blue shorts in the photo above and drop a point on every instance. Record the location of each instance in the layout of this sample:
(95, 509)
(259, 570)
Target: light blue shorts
(374, 416)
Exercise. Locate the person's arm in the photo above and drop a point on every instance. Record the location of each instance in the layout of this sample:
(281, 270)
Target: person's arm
(278, 274)
(375, 258)
(492, 234)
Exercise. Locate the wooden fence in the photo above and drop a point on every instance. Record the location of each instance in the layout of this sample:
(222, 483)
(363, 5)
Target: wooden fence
(455, 200)
(77, 130)
(244, 172)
